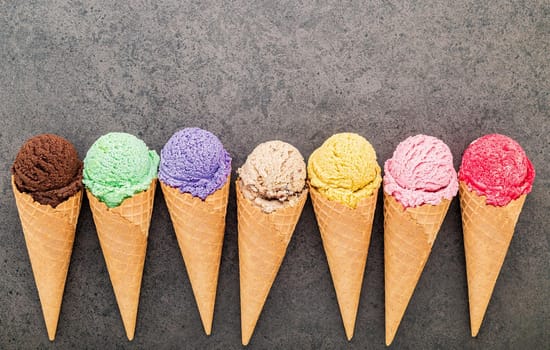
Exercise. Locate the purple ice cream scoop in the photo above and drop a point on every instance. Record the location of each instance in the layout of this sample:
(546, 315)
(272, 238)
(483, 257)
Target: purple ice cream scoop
(194, 161)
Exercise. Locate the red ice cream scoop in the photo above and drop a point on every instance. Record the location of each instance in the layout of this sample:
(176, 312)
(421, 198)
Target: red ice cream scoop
(495, 166)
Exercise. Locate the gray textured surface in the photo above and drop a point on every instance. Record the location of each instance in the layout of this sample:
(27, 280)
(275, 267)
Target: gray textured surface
(291, 70)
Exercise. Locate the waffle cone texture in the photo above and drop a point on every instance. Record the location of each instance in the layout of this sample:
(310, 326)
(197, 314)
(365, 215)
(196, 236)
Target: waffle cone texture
(122, 233)
(345, 233)
(49, 235)
(200, 227)
(488, 231)
(409, 235)
(263, 239)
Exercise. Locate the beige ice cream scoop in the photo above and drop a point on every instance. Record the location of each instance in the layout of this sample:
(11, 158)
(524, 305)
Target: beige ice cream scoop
(273, 175)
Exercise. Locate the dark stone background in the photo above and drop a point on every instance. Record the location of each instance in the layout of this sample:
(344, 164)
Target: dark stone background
(299, 71)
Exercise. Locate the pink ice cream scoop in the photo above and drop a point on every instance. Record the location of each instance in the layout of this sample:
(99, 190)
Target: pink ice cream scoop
(497, 167)
(420, 172)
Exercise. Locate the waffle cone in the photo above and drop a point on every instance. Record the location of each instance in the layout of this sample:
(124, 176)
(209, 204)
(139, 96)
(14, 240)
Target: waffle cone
(488, 231)
(263, 239)
(122, 233)
(200, 227)
(49, 235)
(346, 237)
(409, 235)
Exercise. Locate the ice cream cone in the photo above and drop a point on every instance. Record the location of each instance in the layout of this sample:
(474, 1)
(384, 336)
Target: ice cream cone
(409, 235)
(346, 236)
(200, 227)
(122, 233)
(49, 234)
(488, 231)
(263, 239)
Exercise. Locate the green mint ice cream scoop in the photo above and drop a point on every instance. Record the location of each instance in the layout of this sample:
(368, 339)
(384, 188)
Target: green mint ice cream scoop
(117, 166)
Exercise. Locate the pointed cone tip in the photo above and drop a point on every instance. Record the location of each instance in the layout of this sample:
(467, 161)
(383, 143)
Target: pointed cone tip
(207, 326)
(389, 338)
(130, 333)
(246, 335)
(51, 331)
(474, 326)
(349, 333)
(51, 320)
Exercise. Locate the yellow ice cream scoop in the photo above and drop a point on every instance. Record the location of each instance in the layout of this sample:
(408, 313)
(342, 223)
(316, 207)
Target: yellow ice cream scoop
(344, 169)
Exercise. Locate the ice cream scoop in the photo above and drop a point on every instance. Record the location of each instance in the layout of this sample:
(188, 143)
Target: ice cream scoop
(48, 168)
(273, 175)
(420, 172)
(194, 161)
(345, 169)
(117, 166)
(495, 166)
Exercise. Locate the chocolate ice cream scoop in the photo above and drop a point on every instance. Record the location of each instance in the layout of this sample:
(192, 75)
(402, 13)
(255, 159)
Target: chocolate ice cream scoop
(48, 168)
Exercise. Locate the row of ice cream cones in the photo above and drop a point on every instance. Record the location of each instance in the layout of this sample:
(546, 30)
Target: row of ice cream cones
(199, 227)
(263, 237)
